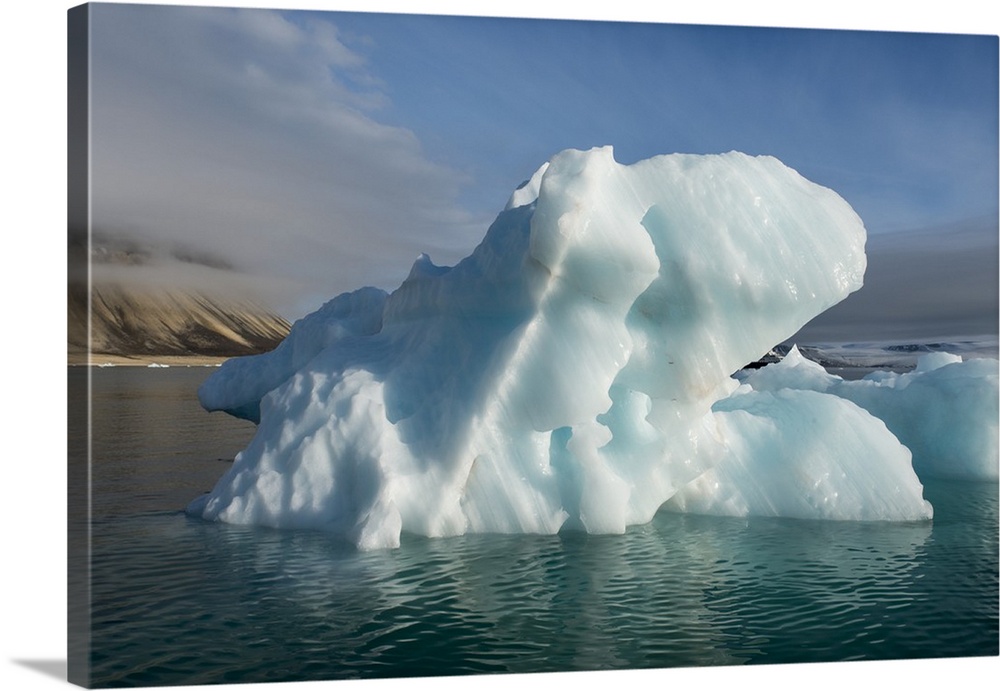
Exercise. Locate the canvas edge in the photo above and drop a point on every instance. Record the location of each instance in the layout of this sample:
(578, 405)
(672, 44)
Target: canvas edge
(78, 388)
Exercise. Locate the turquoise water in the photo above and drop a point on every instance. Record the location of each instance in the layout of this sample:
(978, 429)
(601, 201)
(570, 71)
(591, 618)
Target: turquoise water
(180, 601)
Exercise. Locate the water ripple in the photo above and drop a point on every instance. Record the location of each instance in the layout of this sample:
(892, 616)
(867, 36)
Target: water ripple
(180, 601)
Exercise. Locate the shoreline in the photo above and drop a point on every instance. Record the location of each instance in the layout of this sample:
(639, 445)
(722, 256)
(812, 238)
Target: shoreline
(108, 360)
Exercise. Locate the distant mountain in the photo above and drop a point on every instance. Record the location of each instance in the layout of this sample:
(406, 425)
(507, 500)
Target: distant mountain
(134, 322)
(150, 302)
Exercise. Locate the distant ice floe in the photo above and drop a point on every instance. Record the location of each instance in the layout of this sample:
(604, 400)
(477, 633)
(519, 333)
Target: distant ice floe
(945, 410)
(575, 371)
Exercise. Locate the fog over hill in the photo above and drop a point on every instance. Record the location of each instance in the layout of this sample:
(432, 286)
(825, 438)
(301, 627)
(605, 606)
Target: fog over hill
(162, 301)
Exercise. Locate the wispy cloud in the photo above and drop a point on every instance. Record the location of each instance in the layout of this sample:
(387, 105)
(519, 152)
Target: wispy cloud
(255, 135)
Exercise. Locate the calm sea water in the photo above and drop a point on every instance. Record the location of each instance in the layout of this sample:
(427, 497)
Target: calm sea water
(179, 601)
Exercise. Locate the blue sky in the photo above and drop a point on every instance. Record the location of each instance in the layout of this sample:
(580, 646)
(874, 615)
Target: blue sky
(322, 151)
(903, 125)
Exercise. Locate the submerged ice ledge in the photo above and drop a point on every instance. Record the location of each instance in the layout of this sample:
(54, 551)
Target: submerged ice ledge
(574, 372)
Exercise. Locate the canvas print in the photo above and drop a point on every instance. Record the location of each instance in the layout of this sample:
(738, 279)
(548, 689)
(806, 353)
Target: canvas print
(411, 346)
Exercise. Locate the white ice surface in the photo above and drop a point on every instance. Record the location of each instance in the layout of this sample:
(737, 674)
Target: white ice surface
(945, 410)
(563, 375)
(804, 454)
(241, 382)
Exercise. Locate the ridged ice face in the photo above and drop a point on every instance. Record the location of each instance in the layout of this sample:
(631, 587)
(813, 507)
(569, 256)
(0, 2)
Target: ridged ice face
(561, 376)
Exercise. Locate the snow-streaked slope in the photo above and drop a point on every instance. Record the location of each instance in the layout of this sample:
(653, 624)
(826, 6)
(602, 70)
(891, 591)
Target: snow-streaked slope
(130, 320)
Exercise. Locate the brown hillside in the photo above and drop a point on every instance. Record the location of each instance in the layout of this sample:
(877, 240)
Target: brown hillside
(146, 321)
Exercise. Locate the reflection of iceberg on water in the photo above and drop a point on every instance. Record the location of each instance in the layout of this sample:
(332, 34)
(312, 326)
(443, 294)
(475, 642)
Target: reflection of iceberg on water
(564, 374)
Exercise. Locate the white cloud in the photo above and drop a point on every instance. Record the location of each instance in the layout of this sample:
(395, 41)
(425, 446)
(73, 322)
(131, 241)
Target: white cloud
(255, 136)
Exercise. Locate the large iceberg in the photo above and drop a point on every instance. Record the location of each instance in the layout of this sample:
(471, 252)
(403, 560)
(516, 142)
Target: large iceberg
(563, 376)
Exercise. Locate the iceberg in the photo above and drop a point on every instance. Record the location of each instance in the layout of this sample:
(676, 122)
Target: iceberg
(804, 454)
(945, 410)
(563, 376)
(238, 388)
